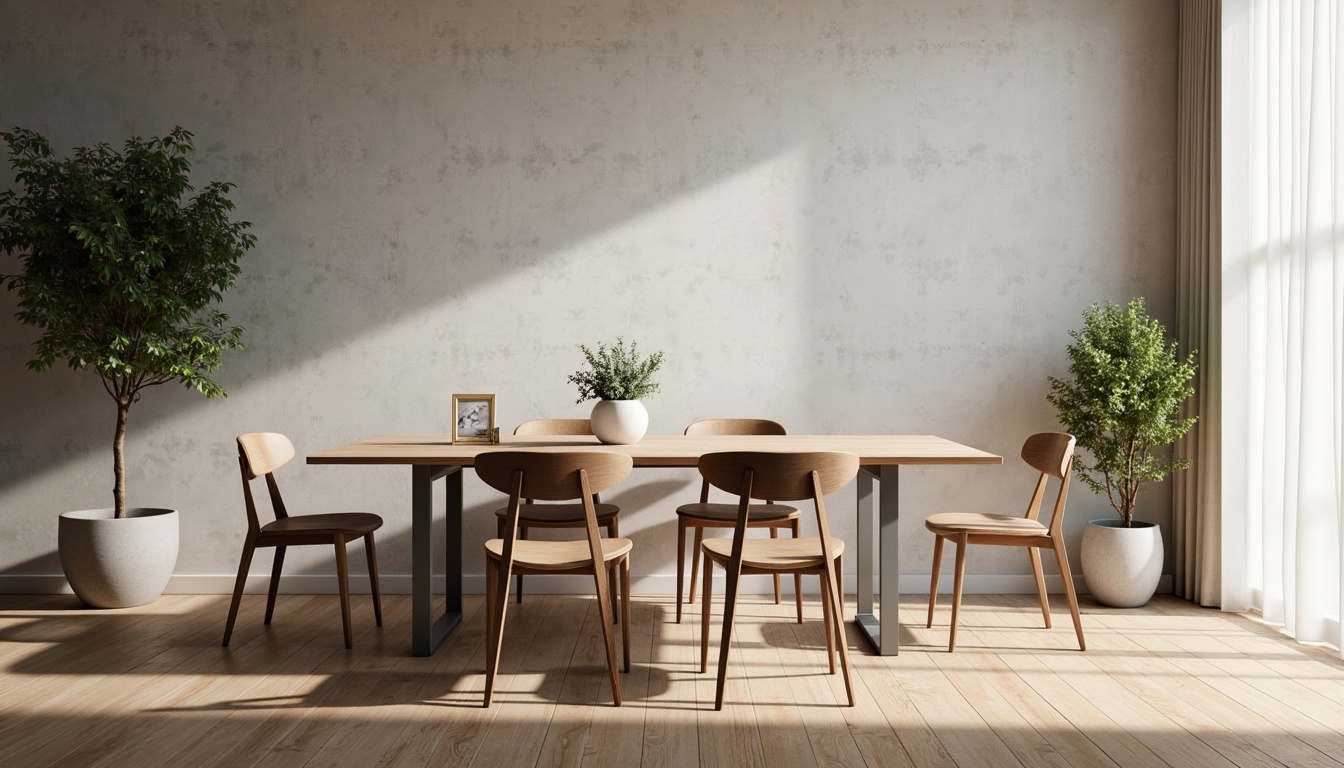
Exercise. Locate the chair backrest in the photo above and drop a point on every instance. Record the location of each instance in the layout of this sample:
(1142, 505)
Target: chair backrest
(555, 427)
(715, 427)
(1050, 453)
(260, 454)
(721, 427)
(264, 452)
(779, 476)
(552, 475)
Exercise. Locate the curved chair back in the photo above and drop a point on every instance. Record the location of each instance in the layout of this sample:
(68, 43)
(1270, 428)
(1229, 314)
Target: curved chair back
(552, 475)
(779, 476)
(716, 427)
(555, 427)
(1051, 454)
(264, 452)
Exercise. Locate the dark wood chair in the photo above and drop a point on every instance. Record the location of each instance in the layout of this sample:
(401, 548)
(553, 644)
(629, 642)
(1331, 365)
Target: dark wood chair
(787, 477)
(260, 454)
(1051, 453)
(704, 514)
(555, 476)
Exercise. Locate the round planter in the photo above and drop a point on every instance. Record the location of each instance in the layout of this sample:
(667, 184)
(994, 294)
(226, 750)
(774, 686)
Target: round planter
(1122, 565)
(619, 422)
(113, 563)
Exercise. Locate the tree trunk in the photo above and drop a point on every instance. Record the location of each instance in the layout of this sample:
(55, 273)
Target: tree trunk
(119, 457)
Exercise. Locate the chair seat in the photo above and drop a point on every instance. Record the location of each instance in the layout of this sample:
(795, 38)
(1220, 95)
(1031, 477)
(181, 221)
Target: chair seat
(339, 522)
(954, 523)
(774, 554)
(727, 513)
(557, 555)
(558, 513)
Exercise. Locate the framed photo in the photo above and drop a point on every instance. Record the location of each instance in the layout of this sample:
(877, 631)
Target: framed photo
(473, 418)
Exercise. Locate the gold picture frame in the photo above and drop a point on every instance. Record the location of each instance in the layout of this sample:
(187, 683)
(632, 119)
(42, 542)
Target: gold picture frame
(470, 424)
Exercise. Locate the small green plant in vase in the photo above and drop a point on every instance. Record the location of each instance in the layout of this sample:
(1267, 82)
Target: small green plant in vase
(1123, 405)
(618, 379)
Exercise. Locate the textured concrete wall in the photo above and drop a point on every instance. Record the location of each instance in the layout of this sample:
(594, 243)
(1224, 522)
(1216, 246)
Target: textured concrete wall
(858, 216)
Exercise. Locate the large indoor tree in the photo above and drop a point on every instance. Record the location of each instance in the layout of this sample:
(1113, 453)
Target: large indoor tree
(121, 266)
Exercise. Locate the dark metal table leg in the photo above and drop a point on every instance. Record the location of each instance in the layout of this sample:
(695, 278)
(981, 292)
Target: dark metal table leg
(427, 634)
(888, 558)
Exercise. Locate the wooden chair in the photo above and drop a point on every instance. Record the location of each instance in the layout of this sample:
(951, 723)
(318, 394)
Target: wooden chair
(558, 515)
(1052, 454)
(554, 476)
(706, 515)
(261, 453)
(790, 477)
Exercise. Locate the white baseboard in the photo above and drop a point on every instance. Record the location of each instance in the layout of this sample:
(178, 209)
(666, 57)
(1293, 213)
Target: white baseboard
(649, 584)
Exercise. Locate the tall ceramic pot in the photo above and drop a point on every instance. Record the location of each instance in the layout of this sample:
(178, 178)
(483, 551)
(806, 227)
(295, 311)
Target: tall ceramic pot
(620, 422)
(1122, 565)
(118, 563)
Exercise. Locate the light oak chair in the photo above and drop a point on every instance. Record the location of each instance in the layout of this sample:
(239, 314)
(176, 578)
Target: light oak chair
(535, 515)
(554, 476)
(261, 453)
(1051, 453)
(706, 515)
(789, 477)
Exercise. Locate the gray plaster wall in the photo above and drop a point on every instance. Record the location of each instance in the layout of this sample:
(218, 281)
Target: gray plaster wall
(860, 216)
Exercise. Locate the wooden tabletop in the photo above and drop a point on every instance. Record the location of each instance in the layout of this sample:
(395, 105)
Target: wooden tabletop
(660, 450)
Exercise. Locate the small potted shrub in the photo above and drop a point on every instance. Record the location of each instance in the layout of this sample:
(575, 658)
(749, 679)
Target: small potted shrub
(121, 271)
(618, 379)
(1123, 405)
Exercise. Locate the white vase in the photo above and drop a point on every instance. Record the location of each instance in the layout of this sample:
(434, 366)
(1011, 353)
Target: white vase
(118, 563)
(1122, 565)
(619, 422)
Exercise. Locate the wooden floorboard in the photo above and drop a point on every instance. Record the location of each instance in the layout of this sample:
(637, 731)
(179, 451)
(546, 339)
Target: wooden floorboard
(1169, 684)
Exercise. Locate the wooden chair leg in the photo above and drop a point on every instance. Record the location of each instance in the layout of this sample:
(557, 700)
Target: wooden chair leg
(276, 566)
(371, 553)
(797, 577)
(244, 565)
(933, 577)
(612, 532)
(774, 534)
(522, 536)
(495, 628)
(826, 620)
(605, 608)
(840, 589)
(342, 574)
(695, 562)
(731, 584)
(681, 562)
(1040, 583)
(962, 544)
(1062, 557)
(705, 599)
(625, 613)
(831, 589)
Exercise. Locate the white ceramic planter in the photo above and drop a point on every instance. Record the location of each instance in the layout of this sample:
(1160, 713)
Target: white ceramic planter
(1122, 565)
(113, 563)
(619, 422)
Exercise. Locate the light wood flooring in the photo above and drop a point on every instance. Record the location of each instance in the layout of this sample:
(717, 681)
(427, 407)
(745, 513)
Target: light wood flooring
(1170, 684)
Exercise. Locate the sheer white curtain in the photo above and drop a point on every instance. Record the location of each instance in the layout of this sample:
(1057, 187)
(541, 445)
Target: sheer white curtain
(1283, 313)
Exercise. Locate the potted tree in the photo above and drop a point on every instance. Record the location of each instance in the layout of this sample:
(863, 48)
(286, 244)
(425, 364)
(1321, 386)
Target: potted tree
(618, 379)
(1123, 405)
(121, 270)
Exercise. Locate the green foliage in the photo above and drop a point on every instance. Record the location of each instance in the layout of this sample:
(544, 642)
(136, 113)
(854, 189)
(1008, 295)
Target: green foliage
(1124, 400)
(120, 268)
(615, 373)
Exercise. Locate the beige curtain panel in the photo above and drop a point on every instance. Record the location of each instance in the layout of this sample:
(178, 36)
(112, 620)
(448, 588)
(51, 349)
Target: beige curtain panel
(1196, 508)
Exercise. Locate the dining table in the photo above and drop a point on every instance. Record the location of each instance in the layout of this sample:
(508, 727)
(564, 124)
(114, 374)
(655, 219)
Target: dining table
(434, 458)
